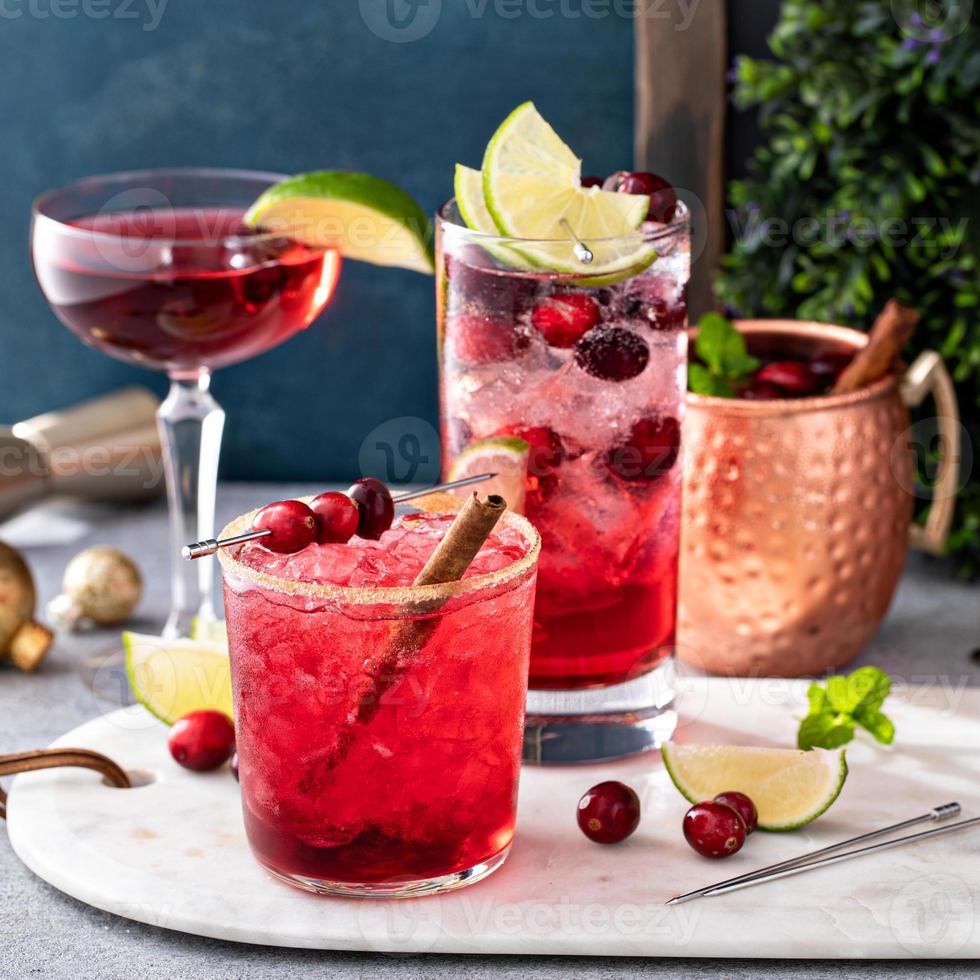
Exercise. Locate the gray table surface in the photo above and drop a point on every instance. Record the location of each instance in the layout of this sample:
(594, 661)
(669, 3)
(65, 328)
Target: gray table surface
(929, 636)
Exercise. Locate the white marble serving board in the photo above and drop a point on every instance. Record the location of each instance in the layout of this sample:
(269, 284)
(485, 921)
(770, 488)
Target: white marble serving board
(173, 852)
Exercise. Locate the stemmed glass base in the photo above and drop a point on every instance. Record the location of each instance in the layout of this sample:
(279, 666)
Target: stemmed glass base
(191, 423)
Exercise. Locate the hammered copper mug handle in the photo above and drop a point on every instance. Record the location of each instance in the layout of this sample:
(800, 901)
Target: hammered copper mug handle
(55, 758)
(928, 375)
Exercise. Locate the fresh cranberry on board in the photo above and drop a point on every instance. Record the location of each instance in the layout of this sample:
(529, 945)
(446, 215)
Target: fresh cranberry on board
(714, 829)
(202, 740)
(743, 806)
(609, 812)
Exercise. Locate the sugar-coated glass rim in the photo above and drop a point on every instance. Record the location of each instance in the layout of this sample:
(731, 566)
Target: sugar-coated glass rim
(382, 595)
(680, 222)
(132, 178)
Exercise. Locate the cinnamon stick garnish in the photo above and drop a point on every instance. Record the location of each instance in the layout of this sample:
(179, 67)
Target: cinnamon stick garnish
(888, 335)
(448, 563)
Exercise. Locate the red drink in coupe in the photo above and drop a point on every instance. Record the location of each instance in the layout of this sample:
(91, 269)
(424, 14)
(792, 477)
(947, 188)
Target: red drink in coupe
(420, 794)
(182, 289)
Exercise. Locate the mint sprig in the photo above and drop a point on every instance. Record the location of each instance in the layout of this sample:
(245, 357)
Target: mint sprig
(724, 358)
(846, 703)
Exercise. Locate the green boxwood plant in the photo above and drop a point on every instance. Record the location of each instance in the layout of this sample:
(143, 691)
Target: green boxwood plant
(867, 186)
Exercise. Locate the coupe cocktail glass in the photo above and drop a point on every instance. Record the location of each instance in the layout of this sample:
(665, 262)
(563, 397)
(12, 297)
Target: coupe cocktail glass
(602, 416)
(157, 268)
(418, 793)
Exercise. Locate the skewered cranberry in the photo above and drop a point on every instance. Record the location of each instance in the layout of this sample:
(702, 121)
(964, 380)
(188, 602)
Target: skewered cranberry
(562, 318)
(609, 812)
(292, 526)
(649, 452)
(794, 377)
(743, 806)
(761, 391)
(612, 353)
(337, 517)
(377, 509)
(591, 182)
(663, 197)
(202, 740)
(479, 340)
(714, 829)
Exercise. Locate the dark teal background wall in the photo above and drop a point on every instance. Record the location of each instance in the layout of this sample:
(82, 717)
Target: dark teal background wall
(285, 86)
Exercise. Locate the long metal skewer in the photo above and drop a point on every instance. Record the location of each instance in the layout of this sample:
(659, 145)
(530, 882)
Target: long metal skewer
(936, 814)
(757, 879)
(201, 549)
(582, 251)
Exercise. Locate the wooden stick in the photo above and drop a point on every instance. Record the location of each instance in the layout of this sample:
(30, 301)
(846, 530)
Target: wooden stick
(886, 339)
(448, 563)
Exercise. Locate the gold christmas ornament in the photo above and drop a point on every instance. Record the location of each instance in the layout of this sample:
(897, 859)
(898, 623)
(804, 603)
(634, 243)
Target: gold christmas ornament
(102, 585)
(23, 640)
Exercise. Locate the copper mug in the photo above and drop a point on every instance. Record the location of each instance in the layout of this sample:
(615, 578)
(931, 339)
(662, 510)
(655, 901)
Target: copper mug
(797, 513)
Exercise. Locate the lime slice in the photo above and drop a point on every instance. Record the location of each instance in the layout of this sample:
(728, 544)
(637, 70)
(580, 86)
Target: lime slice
(172, 677)
(364, 217)
(468, 187)
(504, 455)
(532, 187)
(789, 787)
(214, 631)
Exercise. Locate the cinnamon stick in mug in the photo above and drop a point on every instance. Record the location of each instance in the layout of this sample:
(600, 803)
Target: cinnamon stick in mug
(888, 335)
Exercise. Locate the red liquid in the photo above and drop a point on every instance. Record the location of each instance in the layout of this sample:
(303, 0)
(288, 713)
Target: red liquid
(606, 604)
(176, 290)
(428, 786)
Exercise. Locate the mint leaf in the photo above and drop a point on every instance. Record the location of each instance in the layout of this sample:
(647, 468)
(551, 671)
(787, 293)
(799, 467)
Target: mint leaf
(845, 703)
(817, 697)
(866, 688)
(712, 341)
(825, 731)
(725, 357)
(702, 382)
(879, 725)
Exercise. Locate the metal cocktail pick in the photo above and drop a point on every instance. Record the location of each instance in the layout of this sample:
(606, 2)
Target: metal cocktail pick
(201, 549)
(582, 251)
(804, 862)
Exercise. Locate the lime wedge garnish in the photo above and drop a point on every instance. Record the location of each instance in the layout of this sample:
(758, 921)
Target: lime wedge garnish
(468, 187)
(173, 677)
(789, 787)
(362, 216)
(532, 186)
(504, 455)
